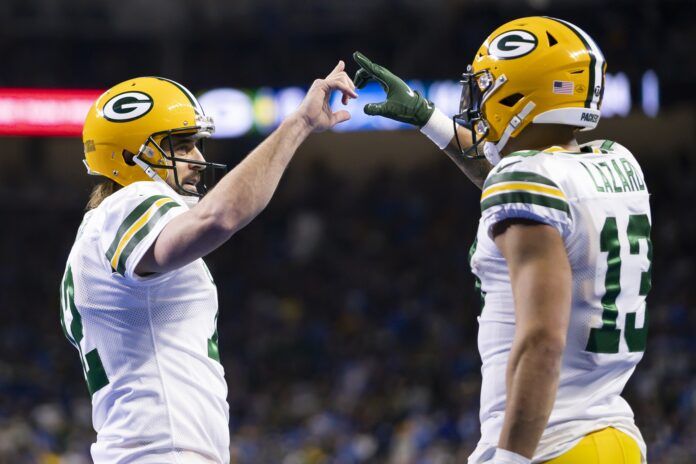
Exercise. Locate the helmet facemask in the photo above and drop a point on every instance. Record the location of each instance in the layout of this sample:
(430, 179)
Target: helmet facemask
(210, 173)
(477, 87)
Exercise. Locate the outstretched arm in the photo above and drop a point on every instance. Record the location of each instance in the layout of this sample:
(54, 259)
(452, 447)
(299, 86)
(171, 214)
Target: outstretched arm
(409, 106)
(541, 286)
(246, 190)
(476, 169)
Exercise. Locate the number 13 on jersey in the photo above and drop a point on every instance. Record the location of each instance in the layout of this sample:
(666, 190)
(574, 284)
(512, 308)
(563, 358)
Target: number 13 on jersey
(606, 339)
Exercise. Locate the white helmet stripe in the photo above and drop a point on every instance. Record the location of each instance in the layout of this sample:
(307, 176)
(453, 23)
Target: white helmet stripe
(594, 96)
(187, 92)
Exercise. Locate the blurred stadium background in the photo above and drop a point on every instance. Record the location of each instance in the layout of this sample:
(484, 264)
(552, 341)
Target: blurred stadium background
(348, 316)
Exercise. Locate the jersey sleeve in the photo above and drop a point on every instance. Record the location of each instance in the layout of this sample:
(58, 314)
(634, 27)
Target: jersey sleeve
(525, 189)
(133, 220)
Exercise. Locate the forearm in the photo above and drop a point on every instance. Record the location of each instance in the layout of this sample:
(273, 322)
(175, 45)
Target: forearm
(475, 169)
(532, 381)
(540, 284)
(245, 191)
(440, 130)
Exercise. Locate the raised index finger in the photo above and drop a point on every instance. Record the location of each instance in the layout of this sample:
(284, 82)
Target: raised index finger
(364, 62)
(370, 69)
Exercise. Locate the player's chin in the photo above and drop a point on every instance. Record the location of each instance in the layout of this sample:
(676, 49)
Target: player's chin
(190, 189)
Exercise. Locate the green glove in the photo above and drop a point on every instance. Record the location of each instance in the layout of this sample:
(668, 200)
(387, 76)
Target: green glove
(402, 103)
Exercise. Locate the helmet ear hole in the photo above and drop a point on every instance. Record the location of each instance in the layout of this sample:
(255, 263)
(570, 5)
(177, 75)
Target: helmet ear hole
(552, 39)
(511, 100)
(128, 157)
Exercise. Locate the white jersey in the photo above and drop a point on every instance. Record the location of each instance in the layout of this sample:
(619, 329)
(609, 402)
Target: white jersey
(148, 345)
(598, 201)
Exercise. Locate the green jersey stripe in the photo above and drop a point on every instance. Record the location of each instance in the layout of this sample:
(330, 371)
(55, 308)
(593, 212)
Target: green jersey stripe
(140, 234)
(129, 221)
(606, 145)
(523, 153)
(518, 176)
(525, 197)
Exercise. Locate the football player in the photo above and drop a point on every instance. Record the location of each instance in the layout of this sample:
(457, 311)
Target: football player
(137, 299)
(562, 256)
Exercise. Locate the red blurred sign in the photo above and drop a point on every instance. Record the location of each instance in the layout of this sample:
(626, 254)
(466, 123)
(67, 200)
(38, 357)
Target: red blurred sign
(47, 112)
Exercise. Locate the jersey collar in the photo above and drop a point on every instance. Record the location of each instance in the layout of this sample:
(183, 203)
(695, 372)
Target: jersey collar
(582, 150)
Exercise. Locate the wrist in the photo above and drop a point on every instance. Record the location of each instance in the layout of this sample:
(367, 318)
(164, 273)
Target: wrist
(297, 124)
(439, 128)
(503, 456)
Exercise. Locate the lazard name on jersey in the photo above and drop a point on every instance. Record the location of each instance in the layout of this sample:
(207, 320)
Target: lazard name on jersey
(616, 175)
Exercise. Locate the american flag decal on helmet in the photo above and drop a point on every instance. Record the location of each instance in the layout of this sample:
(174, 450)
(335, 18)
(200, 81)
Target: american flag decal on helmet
(563, 87)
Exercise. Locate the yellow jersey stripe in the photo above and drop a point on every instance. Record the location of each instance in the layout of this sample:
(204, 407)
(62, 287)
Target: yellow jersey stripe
(137, 225)
(522, 186)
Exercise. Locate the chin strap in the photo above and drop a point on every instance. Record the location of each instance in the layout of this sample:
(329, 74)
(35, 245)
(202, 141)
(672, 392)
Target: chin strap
(89, 171)
(151, 173)
(492, 149)
(190, 200)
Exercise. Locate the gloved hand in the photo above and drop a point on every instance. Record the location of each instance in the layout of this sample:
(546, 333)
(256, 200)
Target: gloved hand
(402, 103)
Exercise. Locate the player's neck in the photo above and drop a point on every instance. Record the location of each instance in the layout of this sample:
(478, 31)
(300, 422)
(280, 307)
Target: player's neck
(543, 136)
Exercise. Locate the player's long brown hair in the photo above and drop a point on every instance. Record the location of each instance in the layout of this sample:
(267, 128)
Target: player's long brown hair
(100, 191)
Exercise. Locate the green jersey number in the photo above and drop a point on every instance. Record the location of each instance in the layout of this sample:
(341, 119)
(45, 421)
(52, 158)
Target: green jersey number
(606, 339)
(91, 362)
(213, 347)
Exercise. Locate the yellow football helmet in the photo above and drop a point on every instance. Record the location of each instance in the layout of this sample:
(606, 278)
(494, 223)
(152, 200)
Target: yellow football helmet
(126, 125)
(537, 70)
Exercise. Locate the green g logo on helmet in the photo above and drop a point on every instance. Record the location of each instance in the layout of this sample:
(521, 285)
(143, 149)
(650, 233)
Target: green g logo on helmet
(512, 44)
(127, 106)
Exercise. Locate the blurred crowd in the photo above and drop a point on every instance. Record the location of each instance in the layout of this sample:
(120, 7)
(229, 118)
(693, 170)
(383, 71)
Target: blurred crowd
(249, 43)
(347, 310)
(347, 325)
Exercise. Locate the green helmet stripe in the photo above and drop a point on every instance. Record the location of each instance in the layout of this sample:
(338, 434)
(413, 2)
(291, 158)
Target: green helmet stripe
(597, 64)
